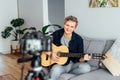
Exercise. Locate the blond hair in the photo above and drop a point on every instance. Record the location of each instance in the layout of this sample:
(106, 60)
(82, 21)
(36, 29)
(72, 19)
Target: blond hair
(71, 18)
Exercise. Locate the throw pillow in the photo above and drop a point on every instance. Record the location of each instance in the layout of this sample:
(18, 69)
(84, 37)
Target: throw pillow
(112, 62)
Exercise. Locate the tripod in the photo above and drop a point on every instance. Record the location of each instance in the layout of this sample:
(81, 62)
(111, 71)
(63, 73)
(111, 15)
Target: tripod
(37, 72)
(34, 43)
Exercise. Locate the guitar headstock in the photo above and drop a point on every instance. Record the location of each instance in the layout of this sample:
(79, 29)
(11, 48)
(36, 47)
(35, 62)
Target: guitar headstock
(98, 56)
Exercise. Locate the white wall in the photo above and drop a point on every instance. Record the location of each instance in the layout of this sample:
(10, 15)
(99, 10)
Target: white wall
(31, 11)
(8, 11)
(38, 13)
(56, 11)
(94, 22)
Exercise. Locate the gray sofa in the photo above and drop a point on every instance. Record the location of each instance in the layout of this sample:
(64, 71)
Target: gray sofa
(97, 72)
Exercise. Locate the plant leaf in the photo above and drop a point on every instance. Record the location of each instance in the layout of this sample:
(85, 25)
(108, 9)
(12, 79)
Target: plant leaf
(17, 22)
(24, 36)
(50, 25)
(25, 29)
(19, 31)
(5, 34)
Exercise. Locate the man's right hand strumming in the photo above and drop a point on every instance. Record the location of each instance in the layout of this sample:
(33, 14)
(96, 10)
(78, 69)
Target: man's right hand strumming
(53, 56)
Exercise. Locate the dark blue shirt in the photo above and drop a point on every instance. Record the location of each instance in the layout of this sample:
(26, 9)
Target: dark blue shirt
(75, 44)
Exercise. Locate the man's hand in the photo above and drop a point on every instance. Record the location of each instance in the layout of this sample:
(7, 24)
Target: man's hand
(48, 53)
(85, 58)
(52, 56)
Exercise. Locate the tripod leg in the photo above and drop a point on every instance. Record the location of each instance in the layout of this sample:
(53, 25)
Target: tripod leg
(29, 75)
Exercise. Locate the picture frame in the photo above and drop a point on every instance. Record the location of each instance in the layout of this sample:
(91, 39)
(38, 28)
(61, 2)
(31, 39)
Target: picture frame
(103, 3)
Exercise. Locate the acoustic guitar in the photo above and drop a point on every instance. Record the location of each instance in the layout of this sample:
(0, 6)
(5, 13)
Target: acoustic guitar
(63, 53)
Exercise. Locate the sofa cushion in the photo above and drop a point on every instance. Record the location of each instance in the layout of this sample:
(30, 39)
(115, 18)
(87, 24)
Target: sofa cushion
(93, 46)
(66, 76)
(99, 74)
(86, 42)
(108, 45)
(112, 62)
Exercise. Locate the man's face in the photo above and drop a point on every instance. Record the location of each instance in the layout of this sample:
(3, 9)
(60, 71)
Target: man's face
(69, 27)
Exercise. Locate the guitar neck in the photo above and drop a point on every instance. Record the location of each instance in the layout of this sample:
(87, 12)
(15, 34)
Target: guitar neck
(93, 55)
(71, 54)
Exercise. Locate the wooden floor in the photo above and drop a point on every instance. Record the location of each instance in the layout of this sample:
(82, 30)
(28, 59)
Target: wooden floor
(9, 66)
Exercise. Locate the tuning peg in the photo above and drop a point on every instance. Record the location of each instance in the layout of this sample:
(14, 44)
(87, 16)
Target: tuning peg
(104, 56)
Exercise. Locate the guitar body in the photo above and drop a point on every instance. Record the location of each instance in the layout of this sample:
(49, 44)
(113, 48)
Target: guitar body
(47, 61)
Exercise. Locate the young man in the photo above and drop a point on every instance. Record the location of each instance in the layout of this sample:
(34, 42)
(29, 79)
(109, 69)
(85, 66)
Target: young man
(74, 42)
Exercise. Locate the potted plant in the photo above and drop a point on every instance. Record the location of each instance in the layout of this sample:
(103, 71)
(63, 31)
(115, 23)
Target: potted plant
(16, 31)
(55, 26)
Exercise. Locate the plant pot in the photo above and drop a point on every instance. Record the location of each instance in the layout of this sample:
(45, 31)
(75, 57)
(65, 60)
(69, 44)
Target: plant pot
(15, 47)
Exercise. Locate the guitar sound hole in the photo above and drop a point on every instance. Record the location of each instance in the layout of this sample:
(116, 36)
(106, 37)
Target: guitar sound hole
(47, 57)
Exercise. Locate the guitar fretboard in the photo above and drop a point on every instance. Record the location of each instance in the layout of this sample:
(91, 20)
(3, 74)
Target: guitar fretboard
(93, 55)
(71, 55)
